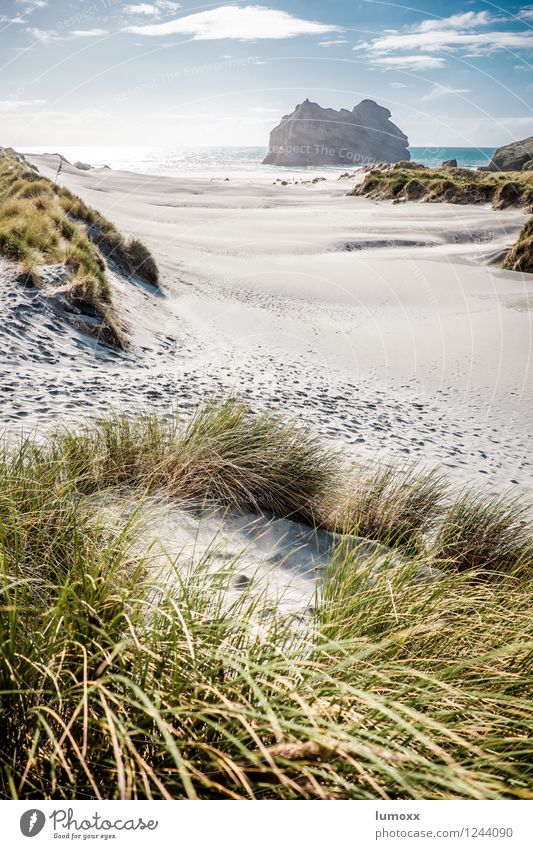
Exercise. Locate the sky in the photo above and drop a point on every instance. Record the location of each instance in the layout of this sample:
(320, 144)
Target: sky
(164, 74)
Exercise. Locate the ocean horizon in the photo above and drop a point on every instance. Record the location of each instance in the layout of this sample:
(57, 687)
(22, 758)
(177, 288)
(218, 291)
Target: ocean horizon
(186, 159)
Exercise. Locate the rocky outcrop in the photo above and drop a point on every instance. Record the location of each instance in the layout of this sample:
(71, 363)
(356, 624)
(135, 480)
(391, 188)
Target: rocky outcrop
(312, 135)
(449, 163)
(513, 157)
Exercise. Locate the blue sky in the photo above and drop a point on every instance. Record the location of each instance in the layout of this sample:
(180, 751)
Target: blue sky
(164, 73)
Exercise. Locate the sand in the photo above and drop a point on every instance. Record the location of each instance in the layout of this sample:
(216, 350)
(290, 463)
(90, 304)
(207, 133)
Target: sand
(384, 325)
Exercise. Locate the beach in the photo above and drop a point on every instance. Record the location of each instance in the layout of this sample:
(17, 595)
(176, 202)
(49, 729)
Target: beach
(266, 480)
(386, 327)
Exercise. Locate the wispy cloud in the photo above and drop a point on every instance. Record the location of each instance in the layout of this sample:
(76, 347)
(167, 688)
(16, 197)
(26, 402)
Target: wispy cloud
(243, 23)
(88, 33)
(160, 7)
(333, 42)
(44, 36)
(464, 20)
(398, 85)
(433, 41)
(409, 63)
(526, 14)
(141, 9)
(468, 32)
(443, 91)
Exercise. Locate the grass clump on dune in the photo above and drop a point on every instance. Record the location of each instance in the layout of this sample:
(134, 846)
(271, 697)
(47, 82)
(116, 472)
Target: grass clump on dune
(487, 533)
(227, 454)
(223, 454)
(394, 505)
(43, 224)
(449, 185)
(520, 257)
(409, 681)
(131, 256)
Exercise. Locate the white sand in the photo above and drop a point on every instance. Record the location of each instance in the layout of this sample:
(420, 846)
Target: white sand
(382, 325)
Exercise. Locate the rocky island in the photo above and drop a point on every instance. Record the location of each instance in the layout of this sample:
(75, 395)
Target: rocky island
(516, 156)
(311, 135)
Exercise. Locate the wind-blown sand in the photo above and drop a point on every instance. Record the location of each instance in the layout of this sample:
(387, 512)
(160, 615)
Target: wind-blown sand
(383, 325)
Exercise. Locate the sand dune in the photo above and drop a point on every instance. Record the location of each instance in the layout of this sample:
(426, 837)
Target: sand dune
(383, 325)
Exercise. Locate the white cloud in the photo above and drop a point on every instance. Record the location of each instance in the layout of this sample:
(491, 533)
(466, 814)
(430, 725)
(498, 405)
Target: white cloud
(243, 23)
(398, 85)
(523, 68)
(44, 36)
(88, 33)
(141, 9)
(443, 91)
(526, 14)
(35, 4)
(437, 40)
(333, 41)
(409, 63)
(465, 32)
(464, 20)
(153, 9)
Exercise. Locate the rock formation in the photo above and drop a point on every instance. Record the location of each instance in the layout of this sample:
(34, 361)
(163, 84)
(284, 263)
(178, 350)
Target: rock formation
(513, 157)
(314, 136)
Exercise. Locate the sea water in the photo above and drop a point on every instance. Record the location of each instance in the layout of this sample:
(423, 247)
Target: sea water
(161, 160)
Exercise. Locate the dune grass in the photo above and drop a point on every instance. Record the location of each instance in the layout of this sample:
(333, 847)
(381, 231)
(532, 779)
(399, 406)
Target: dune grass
(449, 185)
(520, 257)
(227, 454)
(410, 680)
(131, 256)
(224, 454)
(486, 532)
(398, 506)
(45, 224)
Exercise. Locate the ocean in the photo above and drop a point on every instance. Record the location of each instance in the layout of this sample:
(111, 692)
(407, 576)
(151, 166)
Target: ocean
(161, 160)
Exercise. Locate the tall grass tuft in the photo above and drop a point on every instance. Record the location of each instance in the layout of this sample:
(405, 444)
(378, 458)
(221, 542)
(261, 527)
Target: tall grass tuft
(41, 224)
(407, 680)
(398, 506)
(224, 453)
(489, 533)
